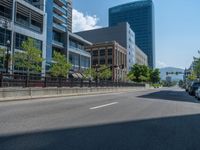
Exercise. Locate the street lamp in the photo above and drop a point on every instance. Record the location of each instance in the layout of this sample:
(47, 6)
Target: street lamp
(7, 55)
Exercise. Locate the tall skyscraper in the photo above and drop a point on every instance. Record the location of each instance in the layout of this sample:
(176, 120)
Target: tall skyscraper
(140, 16)
(57, 26)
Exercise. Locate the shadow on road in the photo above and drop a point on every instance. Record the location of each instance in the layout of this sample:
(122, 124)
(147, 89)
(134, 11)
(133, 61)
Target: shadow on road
(173, 133)
(170, 95)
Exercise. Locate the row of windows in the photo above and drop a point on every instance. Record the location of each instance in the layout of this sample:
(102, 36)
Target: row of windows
(5, 12)
(102, 52)
(102, 61)
(21, 38)
(79, 60)
(5, 35)
(75, 44)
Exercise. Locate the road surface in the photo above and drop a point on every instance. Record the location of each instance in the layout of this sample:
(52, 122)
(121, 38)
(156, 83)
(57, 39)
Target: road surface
(156, 119)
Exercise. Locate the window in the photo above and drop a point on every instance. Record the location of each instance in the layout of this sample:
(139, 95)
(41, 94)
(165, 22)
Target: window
(102, 61)
(5, 35)
(109, 52)
(110, 61)
(94, 62)
(102, 52)
(5, 12)
(19, 39)
(23, 20)
(74, 59)
(57, 36)
(95, 53)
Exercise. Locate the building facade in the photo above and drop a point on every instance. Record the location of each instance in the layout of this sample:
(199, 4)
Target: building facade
(120, 33)
(19, 20)
(60, 38)
(141, 57)
(110, 54)
(76, 52)
(57, 26)
(140, 16)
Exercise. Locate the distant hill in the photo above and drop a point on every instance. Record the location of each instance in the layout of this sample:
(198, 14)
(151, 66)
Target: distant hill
(171, 69)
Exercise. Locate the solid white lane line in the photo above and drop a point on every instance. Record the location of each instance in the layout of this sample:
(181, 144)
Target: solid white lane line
(104, 105)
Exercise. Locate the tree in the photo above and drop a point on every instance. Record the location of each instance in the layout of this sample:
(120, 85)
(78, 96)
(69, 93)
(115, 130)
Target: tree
(2, 57)
(192, 76)
(139, 73)
(30, 58)
(60, 67)
(154, 75)
(90, 73)
(104, 72)
(197, 66)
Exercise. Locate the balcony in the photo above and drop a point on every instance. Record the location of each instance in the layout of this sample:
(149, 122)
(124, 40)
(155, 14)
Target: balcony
(59, 9)
(59, 19)
(59, 28)
(61, 2)
(58, 44)
(79, 51)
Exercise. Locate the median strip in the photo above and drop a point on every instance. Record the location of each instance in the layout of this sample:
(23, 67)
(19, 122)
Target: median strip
(104, 105)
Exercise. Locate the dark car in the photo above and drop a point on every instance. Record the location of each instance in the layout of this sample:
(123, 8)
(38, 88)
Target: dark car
(193, 88)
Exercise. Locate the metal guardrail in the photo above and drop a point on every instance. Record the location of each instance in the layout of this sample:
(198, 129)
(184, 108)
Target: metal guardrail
(39, 81)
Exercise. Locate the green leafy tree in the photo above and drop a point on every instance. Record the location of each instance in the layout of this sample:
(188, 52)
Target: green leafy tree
(60, 67)
(90, 73)
(104, 72)
(30, 58)
(2, 57)
(197, 66)
(139, 73)
(192, 76)
(154, 75)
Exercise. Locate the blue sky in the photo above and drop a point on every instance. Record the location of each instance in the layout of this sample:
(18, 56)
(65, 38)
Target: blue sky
(177, 26)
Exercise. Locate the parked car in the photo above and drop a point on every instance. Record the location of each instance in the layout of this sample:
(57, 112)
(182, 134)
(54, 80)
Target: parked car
(193, 88)
(197, 93)
(188, 85)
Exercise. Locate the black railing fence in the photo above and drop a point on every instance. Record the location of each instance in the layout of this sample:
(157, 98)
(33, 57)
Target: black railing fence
(7, 80)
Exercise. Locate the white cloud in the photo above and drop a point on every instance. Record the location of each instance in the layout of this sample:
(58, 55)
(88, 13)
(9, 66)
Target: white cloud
(160, 64)
(83, 22)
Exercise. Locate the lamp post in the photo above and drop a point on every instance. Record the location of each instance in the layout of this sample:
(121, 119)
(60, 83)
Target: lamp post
(7, 55)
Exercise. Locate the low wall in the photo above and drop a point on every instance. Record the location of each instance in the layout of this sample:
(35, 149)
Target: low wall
(7, 94)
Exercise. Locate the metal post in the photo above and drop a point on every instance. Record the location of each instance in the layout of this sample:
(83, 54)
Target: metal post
(89, 82)
(81, 85)
(27, 80)
(1, 80)
(45, 81)
(7, 56)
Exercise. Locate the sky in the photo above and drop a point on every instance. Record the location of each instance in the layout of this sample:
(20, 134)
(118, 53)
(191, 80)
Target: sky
(177, 27)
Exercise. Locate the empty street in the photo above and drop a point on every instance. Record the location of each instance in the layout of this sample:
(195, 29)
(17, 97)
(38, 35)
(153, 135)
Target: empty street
(155, 119)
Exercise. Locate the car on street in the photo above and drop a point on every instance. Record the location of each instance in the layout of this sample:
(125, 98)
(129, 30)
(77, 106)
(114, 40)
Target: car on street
(197, 93)
(194, 86)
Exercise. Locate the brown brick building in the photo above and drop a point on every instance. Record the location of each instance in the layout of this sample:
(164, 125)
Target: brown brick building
(111, 54)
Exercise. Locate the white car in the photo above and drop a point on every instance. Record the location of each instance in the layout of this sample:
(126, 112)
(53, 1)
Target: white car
(197, 93)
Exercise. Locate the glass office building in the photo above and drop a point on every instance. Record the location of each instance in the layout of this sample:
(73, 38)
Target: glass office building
(60, 38)
(57, 21)
(140, 16)
(20, 20)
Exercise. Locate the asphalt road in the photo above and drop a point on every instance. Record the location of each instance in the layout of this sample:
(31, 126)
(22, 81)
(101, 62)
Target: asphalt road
(160, 119)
